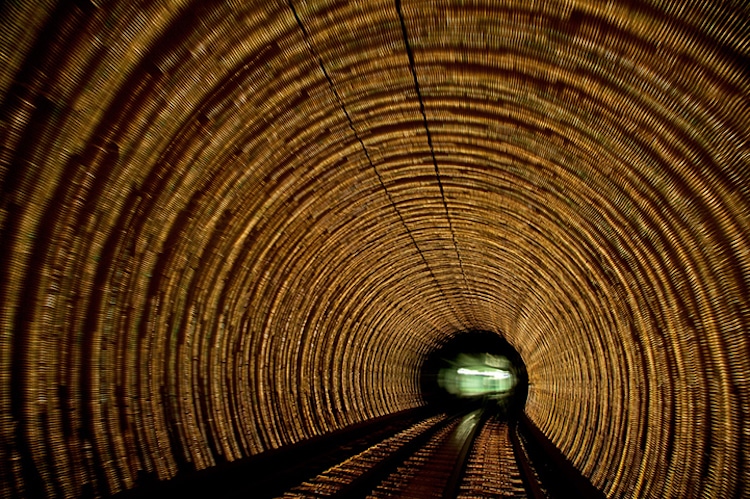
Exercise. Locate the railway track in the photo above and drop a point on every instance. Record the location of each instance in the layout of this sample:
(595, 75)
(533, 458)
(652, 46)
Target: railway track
(473, 455)
(417, 454)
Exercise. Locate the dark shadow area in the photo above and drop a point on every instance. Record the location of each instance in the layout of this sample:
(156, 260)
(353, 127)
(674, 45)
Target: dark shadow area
(476, 369)
(273, 472)
(558, 474)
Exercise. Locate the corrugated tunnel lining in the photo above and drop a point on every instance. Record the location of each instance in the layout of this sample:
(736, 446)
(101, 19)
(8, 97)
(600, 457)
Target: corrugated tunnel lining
(231, 226)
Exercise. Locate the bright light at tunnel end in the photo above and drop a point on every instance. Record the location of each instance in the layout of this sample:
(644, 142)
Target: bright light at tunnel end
(478, 375)
(492, 373)
(476, 368)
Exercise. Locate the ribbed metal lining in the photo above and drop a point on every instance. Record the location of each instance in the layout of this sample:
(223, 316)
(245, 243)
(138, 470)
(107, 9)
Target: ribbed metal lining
(229, 226)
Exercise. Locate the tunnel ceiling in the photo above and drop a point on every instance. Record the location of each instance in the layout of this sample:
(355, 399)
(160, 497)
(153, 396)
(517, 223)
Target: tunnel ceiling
(231, 226)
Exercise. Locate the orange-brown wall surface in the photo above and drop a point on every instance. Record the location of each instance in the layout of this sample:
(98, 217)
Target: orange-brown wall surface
(230, 226)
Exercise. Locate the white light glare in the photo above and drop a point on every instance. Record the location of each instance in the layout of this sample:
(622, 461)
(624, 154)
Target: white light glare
(494, 373)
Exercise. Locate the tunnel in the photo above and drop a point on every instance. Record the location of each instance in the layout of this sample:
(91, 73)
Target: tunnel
(233, 233)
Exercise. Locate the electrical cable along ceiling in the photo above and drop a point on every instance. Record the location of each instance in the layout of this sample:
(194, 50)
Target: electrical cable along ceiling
(227, 227)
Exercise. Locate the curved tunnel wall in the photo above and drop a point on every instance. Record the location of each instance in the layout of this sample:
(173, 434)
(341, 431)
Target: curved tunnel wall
(230, 226)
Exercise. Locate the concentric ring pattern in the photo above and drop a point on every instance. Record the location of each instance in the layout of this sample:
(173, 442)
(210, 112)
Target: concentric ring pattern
(228, 226)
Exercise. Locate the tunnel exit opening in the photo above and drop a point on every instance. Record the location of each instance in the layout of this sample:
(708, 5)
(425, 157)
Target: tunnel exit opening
(475, 368)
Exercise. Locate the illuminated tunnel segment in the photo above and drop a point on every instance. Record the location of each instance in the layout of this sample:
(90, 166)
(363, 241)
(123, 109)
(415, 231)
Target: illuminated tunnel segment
(228, 226)
(476, 368)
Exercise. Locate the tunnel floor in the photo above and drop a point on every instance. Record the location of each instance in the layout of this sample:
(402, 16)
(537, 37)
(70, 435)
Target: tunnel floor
(471, 439)
(479, 452)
